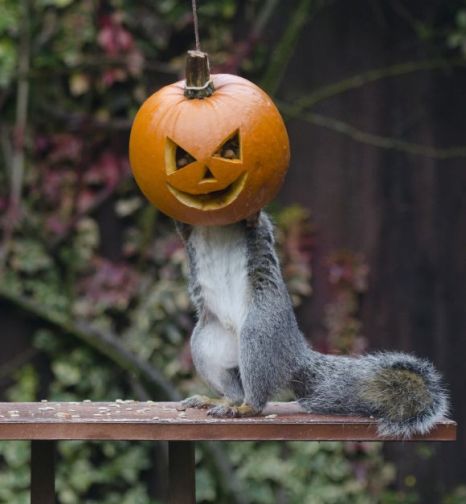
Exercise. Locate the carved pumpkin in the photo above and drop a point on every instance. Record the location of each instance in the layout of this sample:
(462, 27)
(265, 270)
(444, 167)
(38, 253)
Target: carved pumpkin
(213, 160)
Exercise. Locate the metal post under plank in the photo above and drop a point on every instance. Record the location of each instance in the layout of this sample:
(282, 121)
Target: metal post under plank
(181, 468)
(43, 472)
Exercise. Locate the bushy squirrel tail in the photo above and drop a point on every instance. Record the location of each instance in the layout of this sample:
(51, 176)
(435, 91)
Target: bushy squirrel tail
(403, 392)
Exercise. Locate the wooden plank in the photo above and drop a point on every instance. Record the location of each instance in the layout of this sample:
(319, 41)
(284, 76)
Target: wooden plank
(42, 472)
(132, 420)
(181, 466)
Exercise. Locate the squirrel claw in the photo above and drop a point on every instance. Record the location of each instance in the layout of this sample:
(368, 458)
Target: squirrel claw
(196, 401)
(203, 402)
(230, 411)
(223, 411)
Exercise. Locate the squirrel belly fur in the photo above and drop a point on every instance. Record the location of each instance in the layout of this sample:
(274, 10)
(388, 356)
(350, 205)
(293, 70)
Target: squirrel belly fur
(247, 345)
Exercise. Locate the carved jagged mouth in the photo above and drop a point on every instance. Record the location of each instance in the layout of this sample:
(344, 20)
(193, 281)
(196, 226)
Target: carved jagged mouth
(213, 200)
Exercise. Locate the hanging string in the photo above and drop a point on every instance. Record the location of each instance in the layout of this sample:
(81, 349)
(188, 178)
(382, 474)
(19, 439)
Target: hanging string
(196, 25)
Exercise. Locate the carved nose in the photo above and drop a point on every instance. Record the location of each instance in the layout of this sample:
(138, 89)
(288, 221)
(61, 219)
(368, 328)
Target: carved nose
(208, 175)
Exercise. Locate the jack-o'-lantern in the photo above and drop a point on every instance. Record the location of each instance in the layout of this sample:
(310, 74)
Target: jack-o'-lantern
(210, 151)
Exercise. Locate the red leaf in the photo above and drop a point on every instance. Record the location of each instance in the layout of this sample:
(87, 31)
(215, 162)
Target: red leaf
(113, 38)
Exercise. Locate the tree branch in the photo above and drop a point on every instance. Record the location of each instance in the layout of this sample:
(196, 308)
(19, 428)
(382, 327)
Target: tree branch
(241, 50)
(19, 134)
(380, 141)
(359, 80)
(22, 102)
(282, 53)
(105, 343)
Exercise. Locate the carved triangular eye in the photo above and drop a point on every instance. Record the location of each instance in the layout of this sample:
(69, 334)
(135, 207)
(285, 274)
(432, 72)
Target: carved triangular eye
(231, 148)
(182, 158)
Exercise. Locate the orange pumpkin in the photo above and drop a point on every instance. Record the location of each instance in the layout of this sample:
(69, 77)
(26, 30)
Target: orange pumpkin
(213, 160)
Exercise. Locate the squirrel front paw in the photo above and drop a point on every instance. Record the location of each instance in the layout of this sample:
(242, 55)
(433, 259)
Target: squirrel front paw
(231, 411)
(197, 401)
(202, 402)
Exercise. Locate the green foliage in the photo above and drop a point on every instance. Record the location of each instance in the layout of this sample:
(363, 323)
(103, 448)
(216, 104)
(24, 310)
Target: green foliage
(120, 466)
(10, 15)
(311, 473)
(457, 36)
(457, 497)
(14, 478)
(7, 61)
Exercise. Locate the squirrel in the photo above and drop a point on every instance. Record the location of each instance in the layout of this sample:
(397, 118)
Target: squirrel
(247, 346)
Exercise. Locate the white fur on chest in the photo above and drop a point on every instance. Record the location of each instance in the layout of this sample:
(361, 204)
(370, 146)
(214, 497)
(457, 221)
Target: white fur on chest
(221, 265)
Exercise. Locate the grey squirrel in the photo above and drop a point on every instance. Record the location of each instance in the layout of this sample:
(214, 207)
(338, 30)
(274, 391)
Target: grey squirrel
(247, 345)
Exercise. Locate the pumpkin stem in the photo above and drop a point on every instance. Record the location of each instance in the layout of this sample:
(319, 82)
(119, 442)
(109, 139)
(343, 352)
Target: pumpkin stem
(198, 82)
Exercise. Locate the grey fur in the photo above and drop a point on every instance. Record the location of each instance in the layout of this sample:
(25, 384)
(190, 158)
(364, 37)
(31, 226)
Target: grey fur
(403, 392)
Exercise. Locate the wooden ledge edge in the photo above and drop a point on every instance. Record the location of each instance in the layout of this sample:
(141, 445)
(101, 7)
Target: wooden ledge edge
(150, 420)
